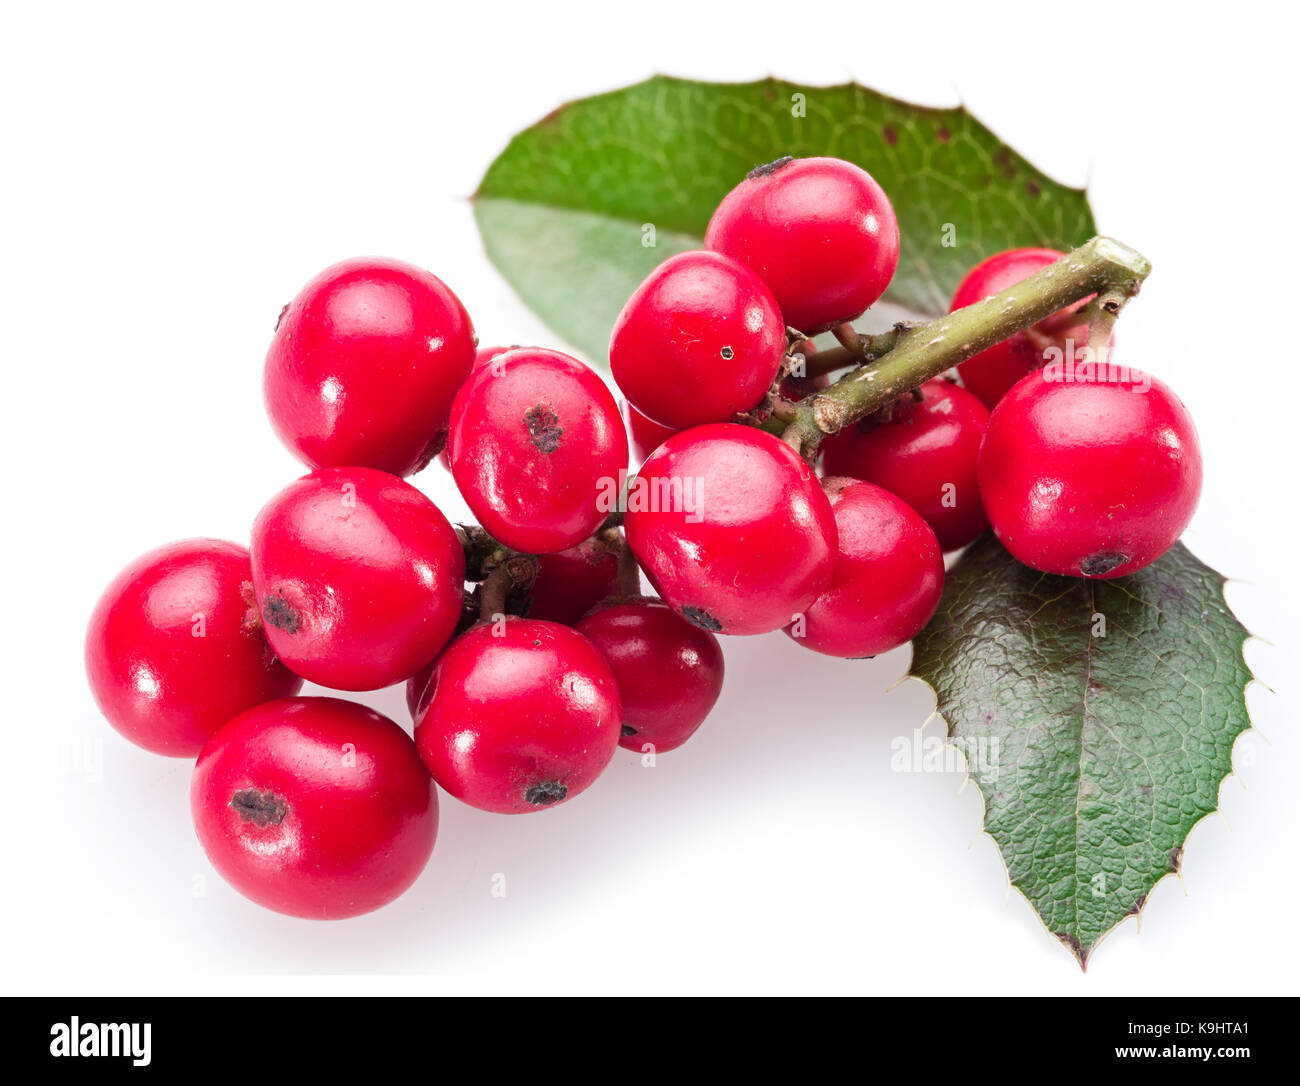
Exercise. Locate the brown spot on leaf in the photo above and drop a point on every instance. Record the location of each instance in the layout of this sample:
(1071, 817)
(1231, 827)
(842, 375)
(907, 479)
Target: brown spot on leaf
(1176, 858)
(1076, 948)
(1033, 188)
(942, 134)
(891, 135)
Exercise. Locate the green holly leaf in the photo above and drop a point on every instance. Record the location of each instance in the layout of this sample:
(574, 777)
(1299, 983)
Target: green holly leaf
(579, 208)
(1096, 717)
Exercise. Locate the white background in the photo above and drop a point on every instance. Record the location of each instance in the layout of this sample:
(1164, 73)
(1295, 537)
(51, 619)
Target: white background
(173, 173)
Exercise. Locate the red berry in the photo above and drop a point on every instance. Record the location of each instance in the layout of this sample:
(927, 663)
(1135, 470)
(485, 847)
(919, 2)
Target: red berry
(926, 453)
(1093, 478)
(359, 577)
(174, 648)
(536, 443)
(888, 576)
(314, 807)
(699, 341)
(520, 715)
(732, 528)
(819, 231)
(991, 372)
(572, 581)
(417, 686)
(669, 671)
(645, 434)
(364, 365)
(483, 357)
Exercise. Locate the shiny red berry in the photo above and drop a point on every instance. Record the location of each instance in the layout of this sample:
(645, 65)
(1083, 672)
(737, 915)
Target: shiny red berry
(572, 581)
(644, 434)
(819, 231)
(888, 576)
(992, 372)
(699, 341)
(1090, 478)
(536, 447)
(314, 807)
(519, 715)
(483, 358)
(926, 452)
(417, 686)
(175, 648)
(359, 577)
(669, 671)
(364, 365)
(732, 528)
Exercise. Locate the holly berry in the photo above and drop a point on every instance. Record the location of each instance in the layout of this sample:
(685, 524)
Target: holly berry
(1090, 479)
(358, 577)
(536, 443)
(732, 528)
(818, 231)
(314, 807)
(888, 575)
(519, 715)
(669, 671)
(993, 371)
(644, 433)
(571, 582)
(364, 364)
(483, 358)
(926, 452)
(174, 649)
(699, 341)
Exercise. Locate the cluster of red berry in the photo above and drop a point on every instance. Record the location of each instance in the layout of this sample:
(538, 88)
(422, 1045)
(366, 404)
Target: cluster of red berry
(522, 689)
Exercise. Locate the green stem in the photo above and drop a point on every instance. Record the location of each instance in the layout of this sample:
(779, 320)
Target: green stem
(1103, 266)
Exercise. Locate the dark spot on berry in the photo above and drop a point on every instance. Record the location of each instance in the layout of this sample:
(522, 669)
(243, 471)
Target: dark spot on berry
(769, 168)
(728, 353)
(628, 730)
(942, 134)
(544, 429)
(1101, 563)
(702, 619)
(260, 808)
(891, 135)
(1033, 188)
(280, 319)
(546, 793)
(280, 613)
